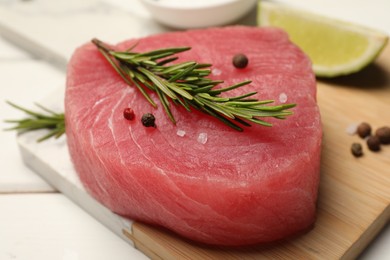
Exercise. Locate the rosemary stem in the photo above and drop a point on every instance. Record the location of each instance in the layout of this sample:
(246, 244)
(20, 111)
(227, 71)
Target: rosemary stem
(100, 45)
(187, 84)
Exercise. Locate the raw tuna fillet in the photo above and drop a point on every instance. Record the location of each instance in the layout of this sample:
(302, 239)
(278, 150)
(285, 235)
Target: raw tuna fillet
(200, 178)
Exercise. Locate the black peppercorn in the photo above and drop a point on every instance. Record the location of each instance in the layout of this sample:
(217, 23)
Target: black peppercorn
(240, 61)
(383, 134)
(357, 149)
(373, 143)
(364, 130)
(148, 120)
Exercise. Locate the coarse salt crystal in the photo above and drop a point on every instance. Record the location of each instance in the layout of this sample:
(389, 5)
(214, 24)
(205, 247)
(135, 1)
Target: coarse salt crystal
(216, 72)
(202, 138)
(351, 129)
(181, 133)
(283, 97)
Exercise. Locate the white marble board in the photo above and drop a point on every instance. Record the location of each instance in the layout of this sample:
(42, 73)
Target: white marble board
(51, 30)
(51, 160)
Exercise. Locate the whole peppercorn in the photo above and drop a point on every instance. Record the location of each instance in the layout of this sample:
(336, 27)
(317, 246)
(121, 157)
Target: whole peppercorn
(357, 149)
(383, 134)
(148, 120)
(240, 61)
(364, 130)
(128, 113)
(373, 143)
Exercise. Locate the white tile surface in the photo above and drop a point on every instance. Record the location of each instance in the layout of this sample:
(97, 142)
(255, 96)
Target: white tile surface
(379, 249)
(9, 52)
(22, 81)
(53, 29)
(42, 226)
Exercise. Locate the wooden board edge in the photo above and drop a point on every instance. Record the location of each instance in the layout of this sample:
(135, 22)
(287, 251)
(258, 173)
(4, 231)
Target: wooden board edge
(158, 244)
(368, 236)
(164, 247)
(140, 246)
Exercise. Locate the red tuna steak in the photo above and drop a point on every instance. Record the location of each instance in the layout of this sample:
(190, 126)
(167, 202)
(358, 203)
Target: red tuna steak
(200, 178)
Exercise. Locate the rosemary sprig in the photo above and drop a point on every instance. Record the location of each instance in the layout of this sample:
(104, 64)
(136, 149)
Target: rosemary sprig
(184, 84)
(187, 84)
(47, 119)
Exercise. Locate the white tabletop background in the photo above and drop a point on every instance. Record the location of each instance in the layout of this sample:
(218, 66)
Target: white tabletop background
(37, 222)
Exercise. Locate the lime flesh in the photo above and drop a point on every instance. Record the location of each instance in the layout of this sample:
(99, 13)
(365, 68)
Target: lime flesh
(335, 47)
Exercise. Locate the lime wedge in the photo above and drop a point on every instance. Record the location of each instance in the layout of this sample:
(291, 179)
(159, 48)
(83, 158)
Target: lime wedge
(335, 47)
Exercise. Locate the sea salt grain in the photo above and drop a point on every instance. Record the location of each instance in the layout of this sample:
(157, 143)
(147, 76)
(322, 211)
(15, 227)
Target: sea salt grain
(181, 133)
(216, 72)
(202, 138)
(283, 98)
(351, 129)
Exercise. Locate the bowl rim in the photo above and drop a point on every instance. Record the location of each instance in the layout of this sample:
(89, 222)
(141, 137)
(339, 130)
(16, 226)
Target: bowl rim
(207, 5)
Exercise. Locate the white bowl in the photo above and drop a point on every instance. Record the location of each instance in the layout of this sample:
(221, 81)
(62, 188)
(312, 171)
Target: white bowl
(186, 14)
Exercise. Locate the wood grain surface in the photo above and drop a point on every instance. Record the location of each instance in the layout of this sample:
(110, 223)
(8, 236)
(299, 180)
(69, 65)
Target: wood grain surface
(354, 194)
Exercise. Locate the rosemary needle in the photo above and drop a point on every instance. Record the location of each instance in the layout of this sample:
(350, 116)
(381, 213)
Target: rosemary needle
(187, 84)
(184, 84)
(47, 119)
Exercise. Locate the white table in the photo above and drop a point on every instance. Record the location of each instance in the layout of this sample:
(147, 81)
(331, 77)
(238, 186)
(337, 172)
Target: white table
(37, 222)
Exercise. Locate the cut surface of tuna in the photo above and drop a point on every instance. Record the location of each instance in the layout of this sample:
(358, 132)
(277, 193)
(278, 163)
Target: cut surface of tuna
(200, 178)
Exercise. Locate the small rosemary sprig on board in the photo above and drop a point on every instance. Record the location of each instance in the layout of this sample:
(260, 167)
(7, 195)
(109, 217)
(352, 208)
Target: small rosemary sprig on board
(187, 84)
(46, 119)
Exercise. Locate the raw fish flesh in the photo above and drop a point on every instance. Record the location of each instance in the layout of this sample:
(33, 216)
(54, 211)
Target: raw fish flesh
(200, 178)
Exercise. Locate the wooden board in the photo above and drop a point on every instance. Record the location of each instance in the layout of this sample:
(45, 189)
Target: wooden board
(354, 195)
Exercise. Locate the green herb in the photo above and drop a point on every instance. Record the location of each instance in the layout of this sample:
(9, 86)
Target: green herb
(184, 84)
(187, 84)
(46, 119)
